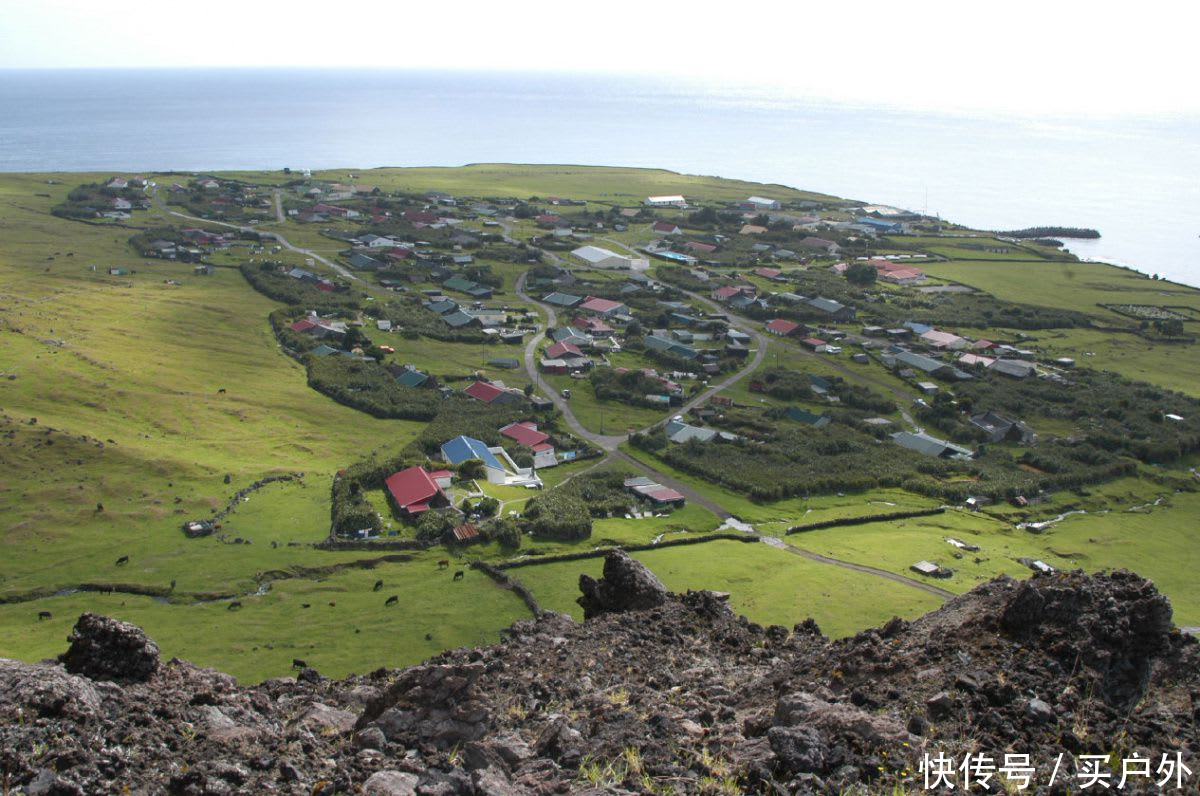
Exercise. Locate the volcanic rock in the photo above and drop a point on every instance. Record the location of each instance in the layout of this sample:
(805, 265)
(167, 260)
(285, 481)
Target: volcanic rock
(108, 649)
(626, 585)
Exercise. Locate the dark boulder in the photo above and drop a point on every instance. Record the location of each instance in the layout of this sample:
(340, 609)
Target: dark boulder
(107, 649)
(627, 585)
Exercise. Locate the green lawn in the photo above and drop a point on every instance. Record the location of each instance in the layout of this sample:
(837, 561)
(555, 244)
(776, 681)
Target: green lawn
(627, 186)
(357, 634)
(767, 585)
(1073, 286)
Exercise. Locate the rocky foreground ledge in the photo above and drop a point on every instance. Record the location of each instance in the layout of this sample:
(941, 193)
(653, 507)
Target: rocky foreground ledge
(654, 693)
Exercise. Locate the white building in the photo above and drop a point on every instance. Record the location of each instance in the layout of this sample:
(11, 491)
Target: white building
(666, 201)
(596, 257)
(762, 203)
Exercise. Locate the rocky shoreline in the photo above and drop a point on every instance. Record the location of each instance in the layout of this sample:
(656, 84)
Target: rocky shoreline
(654, 693)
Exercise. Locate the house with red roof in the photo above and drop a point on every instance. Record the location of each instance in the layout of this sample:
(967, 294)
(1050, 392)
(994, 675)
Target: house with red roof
(563, 349)
(303, 325)
(526, 435)
(895, 273)
(547, 220)
(768, 273)
(665, 228)
(420, 217)
(413, 491)
(605, 308)
(593, 326)
(782, 327)
(701, 248)
(815, 343)
(725, 293)
(491, 394)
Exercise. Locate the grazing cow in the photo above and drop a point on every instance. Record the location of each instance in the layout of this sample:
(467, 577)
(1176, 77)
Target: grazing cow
(378, 585)
(429, 637)
(333, 605)
(395, 598)
(221, 391)
(122, 560)
(443, 564)
(458, 575)
(233, 605)
(298, 664)
(44, 615)
(306, 605)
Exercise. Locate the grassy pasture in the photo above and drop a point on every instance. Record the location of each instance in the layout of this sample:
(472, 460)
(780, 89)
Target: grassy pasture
(767, 585)
(1073, 285)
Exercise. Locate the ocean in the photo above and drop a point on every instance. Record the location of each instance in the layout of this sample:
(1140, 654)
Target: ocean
(1136, 179)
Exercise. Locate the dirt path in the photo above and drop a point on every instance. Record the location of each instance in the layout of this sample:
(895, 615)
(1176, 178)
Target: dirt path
(282, 241)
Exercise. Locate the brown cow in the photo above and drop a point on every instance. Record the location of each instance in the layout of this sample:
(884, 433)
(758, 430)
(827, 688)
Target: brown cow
(443, 564)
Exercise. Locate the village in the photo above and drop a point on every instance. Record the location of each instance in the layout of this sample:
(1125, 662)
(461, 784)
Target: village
(774, 348)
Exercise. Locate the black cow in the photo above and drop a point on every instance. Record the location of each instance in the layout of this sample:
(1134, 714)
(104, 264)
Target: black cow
(221, 391)
(333, 605)
(378, 585)
(122, 561)
(233, 605)
(395, 598)
(305, 605)
(459, 575)
(44, 615)
(298, 664)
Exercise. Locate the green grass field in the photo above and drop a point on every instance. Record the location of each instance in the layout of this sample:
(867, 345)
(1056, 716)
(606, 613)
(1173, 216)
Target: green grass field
(1072, 286)
(767, 585)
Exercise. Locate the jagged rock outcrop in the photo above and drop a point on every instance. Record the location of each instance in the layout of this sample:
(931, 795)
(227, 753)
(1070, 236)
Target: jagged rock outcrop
(106, 649)
(626, 585)
(682, 693)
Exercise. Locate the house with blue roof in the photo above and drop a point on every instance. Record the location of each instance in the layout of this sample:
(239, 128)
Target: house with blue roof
(498, 466)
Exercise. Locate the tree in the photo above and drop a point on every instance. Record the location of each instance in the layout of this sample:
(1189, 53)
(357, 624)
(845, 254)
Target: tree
(861, 274)
(471, 468)
(434, 525)
(506, 531)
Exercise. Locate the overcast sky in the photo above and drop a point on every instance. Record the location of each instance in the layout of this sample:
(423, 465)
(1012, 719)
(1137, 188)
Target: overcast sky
(1048, 55)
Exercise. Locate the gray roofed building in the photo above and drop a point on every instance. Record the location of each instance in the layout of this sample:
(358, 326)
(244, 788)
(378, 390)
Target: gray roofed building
(459, 319)
(834, 309)
(927, 364)
(999, 428)
(1015, 368)
(930, 446)
(441, 307)
(362, 262)
(562, 299)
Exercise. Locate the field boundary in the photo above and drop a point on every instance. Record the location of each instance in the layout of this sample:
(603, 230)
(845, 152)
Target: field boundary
(866, 519)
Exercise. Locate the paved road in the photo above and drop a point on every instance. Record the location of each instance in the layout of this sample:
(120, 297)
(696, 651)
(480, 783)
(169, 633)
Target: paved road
(282, 241)
(279, 208)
